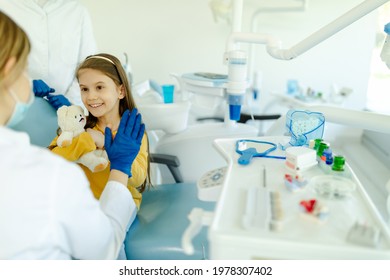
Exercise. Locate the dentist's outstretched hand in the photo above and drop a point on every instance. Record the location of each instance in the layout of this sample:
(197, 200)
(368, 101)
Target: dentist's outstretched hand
(57, 101)
(41, 89)
(123, 149)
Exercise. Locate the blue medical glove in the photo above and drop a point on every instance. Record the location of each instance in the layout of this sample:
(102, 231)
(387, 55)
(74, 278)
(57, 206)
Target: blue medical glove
(41, 89)
(57, 101)
(123, 149)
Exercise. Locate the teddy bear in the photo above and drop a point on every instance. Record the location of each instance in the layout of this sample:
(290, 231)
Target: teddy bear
(71, 121)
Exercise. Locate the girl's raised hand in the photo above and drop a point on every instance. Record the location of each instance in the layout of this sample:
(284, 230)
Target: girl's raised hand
(124, 148)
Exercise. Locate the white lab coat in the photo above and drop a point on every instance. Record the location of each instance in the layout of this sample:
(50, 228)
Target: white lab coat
(61, 35)
(47, 210)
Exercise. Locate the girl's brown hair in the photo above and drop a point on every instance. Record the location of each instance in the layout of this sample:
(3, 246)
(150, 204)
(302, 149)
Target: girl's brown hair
(111, 66)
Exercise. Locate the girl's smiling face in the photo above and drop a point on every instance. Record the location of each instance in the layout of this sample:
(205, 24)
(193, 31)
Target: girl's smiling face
(100, 94)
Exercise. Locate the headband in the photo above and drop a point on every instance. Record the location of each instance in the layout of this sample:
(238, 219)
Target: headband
(101, 57)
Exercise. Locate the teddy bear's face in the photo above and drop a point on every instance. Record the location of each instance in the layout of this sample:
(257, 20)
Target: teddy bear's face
(78, 120)
(71, 118)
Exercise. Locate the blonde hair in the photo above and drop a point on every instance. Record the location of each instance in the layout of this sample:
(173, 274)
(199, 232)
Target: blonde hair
(13, 43)
(110, 66)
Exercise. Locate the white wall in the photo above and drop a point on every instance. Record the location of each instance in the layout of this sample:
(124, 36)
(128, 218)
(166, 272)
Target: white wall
(164, 36)
(160, 36)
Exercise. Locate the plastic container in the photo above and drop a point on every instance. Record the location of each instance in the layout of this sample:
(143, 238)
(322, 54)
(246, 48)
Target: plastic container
(292, 87)
(168, 91)
(338, 163)
(321, 148)
(330, 186)
(304, 126)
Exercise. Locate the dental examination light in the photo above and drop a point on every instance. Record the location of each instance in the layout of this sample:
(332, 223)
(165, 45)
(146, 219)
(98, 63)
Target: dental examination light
(238, 78)
(237, 60)
(301, 7)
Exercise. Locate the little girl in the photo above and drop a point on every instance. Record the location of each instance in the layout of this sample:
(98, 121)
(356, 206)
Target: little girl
(105, 92)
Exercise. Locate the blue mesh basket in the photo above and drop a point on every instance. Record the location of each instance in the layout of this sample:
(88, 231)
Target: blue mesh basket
(304, 126)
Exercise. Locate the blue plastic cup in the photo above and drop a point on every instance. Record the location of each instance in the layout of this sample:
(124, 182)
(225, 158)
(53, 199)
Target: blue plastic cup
(168, 93)
(292, 87)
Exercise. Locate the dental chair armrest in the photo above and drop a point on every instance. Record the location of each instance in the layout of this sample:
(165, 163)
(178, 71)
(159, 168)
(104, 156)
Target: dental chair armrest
(198, 218)
(172, 162)
(245, 117)
(216, 119)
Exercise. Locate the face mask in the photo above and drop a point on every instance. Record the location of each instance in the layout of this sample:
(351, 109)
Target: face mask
(20, 110)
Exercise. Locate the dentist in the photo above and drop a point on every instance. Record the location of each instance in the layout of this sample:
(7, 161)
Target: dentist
(44, 214)
(61, 36)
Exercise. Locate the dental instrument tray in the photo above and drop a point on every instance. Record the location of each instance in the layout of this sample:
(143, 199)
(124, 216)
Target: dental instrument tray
(310, 225)
(205, 83)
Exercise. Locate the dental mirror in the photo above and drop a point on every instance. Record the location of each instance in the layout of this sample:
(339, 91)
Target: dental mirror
(253, 148)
